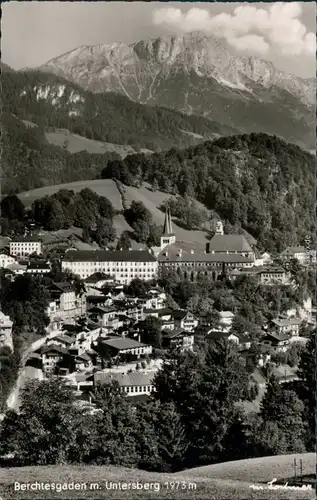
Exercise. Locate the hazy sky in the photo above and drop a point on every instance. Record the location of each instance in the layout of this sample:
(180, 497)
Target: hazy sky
(34, 32)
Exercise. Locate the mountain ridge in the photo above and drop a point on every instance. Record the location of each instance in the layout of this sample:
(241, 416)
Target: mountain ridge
(251, 67)
(196, 75)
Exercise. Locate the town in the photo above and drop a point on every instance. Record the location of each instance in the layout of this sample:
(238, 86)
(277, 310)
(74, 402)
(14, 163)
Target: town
(120, 323)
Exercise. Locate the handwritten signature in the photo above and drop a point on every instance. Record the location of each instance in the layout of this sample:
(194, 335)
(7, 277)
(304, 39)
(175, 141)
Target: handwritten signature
(271, 486)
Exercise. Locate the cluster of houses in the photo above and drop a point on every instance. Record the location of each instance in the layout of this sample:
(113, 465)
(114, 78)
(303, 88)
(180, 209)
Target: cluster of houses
(91, 335)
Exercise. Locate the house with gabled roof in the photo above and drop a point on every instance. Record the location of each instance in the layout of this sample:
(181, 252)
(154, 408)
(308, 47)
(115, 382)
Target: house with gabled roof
(184, 320)
(286, 326)
(102, 315)
(51, 355)
(178, 339)
(276, 342)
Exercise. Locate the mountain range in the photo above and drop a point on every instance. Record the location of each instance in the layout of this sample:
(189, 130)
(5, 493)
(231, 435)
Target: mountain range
(196, 74)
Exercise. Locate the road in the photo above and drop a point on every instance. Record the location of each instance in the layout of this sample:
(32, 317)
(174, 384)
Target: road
(27, 372)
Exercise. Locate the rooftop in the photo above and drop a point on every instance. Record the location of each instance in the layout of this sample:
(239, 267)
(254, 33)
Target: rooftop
(292, 250)
(53, 348)
(175, 333)
(38, 265)
(286, 321)
(65, 339)
(25, 239)
(102, 309)
(136, 378)
(108, 256)
(229, 243)
(278, 337)
(122, 343)
(94, 278)
(226, 314)
(171, 253)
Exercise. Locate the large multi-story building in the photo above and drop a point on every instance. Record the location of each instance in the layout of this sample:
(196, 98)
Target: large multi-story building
(25, 245)
(123, 265)
(224, 250)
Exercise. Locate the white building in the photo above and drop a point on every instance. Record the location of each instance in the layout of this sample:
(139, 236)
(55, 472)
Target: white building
(226, 319)
(124, 265)
(133, 384)
(6, 260)
(24, 246)
(303, 255)
(65, 304)
(5, 331)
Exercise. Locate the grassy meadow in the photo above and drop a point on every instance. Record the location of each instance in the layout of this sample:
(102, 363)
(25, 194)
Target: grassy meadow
(228, 481)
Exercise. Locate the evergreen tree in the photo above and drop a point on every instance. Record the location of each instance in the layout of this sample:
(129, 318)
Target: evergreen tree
(172, 443)
(116, 425)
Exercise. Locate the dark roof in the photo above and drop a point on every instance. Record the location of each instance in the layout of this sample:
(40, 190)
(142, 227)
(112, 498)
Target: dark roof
(65, 338)
(38, 265)
(177, 333)
(63, 285)
(96, 298)
(163, 311)
(178, 314)
(102, 309)
(94, 278)
(108, 256)
(277, 337)
(137, 378)
(122, 343)
(218, 335)
(53, 348)
(84, 357)
(139, 398)
(26, 239)
(229, 243)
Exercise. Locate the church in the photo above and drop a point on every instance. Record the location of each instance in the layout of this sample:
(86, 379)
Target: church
(231, 251)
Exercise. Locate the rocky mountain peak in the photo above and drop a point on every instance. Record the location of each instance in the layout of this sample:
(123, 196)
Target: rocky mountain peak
(197, 74)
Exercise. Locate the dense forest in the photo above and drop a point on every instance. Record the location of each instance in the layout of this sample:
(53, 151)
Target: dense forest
(29, 161)
(256, 181)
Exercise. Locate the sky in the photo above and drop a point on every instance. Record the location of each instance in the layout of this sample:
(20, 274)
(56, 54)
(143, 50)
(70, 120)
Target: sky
(284, 33)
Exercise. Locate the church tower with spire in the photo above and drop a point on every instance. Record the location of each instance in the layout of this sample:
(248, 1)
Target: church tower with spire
(168, 235)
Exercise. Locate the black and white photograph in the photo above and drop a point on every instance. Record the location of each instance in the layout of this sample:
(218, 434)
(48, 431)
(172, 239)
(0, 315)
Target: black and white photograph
(158, 251)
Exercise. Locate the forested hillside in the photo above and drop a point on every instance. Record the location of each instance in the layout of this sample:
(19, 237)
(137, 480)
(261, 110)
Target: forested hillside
(52, 101)
(255, 181)
(29, 161)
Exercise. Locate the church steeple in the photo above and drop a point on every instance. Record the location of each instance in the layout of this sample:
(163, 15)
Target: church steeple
(168, 235)
(167, 229)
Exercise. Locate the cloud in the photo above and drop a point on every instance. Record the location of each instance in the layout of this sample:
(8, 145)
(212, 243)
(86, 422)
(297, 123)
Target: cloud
(249, 27)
